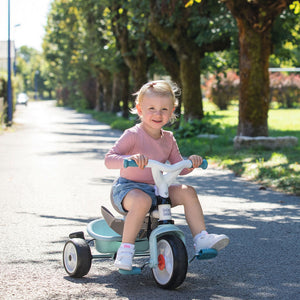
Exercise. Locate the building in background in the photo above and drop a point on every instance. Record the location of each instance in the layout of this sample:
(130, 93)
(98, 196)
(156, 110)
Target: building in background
(3, 55)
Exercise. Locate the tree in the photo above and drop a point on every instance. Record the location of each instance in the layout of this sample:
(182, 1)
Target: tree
(254, 20)
(168, 58)
(286, 38)
(81, 52)
(191, 32)
(31, 72)
(129, 21)
(98, 51)
(61, 49)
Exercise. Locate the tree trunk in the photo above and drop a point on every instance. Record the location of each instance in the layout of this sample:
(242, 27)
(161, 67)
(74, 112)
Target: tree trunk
(90, 91)
(116, 93)
(105, 82)
(138, 65)
(168, 58)
(255, 20)
(121, 90)
(255, 50)
(189, 66)
(134, 54)
(125, 91)
(191, 90)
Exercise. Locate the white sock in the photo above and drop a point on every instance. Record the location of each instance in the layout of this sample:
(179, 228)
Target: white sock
(199, 235)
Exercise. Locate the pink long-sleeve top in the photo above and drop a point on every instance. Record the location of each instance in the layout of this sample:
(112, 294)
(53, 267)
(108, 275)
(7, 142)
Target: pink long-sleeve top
(134, 141)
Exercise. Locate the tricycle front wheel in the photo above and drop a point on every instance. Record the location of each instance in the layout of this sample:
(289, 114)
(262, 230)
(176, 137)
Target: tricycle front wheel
(172, 262)
(77, 257)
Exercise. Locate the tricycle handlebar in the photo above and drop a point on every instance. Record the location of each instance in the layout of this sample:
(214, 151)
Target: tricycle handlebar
(165, 167)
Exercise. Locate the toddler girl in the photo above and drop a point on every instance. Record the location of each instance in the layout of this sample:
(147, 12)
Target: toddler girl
(133, 192)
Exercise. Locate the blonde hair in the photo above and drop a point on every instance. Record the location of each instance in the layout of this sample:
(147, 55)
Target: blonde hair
(160, 88)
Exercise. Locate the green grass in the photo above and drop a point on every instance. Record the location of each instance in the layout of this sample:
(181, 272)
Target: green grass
(279, 170)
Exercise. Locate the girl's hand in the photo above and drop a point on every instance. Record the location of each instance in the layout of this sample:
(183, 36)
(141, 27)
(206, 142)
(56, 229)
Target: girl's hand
(140, 159)
(196, 160)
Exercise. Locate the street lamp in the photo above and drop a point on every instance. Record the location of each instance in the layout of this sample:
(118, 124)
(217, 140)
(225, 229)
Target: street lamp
(9, 92)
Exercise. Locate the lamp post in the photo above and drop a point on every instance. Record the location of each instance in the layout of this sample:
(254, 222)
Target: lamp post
(36, 84)
(9, 92)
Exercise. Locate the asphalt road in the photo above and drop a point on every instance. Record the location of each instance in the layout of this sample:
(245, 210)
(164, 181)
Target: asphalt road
(53, 182)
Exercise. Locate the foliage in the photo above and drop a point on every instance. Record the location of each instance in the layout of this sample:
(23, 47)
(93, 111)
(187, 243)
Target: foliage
(191, 2)
(3, 94)
(83, 52)
(31, 72)
(3, 84)
(61, 47)
(285, 39)
(191, 32)
(122, 124)
(223, 88)
(195, 127)
(295, 6)
(285, 89)
(88, 43)
(129, 25)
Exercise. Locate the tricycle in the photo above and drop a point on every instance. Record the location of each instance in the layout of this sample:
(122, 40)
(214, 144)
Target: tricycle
(159, 239)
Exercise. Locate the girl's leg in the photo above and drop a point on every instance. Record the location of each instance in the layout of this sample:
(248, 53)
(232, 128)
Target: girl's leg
(138, 204)
(186, 195)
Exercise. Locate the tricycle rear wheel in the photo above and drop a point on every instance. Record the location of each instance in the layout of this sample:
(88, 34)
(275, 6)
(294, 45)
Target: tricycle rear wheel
(77, 257)
(172, 262)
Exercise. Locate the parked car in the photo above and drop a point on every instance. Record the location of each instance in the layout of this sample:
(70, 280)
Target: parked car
(22, 98)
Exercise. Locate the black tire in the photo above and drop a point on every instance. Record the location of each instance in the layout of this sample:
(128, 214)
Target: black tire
(173, 262)
(77, 257)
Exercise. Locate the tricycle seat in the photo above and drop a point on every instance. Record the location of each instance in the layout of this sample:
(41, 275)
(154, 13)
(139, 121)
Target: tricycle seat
(108, 241)
(117, 224)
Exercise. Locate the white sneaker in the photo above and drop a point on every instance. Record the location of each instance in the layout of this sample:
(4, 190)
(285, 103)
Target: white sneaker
(215, 241)
(124, 258)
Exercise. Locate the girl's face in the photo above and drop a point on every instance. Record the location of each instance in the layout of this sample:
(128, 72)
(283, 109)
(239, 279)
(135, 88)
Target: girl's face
(155, 111)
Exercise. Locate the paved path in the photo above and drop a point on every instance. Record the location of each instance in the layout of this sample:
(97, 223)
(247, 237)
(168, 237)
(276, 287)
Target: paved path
(53, 181)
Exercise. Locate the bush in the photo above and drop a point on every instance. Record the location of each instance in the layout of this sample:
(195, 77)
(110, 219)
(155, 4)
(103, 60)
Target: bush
(196, 127)
(285, 89)
(3, 94)
(223, 88)
(122, 124)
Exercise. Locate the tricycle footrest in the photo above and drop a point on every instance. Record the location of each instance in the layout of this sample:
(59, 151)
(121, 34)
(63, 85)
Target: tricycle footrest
(207, 253)
(134, 271)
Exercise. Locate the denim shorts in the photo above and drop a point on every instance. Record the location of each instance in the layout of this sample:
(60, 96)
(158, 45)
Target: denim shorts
(122, 186)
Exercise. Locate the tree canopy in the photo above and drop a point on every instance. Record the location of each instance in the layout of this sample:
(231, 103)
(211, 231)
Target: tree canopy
(99, 52)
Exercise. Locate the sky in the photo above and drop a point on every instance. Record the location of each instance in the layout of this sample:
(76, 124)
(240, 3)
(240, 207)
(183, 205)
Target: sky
(32, 17)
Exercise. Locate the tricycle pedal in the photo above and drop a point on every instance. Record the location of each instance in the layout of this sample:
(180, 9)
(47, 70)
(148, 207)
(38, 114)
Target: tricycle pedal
(134, 271)
(78, 234)
(207, 253)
